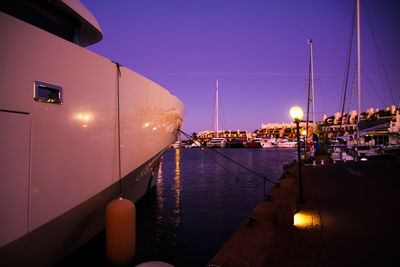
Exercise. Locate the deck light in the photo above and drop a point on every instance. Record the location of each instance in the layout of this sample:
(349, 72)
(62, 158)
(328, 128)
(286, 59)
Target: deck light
(297, 113)
(306, 220)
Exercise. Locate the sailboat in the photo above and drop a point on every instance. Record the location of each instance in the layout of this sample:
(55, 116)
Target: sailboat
(216, 141)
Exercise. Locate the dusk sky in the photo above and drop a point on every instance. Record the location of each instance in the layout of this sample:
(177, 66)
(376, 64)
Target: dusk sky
(257, 50)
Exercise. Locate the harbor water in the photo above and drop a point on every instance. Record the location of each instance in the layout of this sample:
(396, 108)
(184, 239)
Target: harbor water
(199, 201)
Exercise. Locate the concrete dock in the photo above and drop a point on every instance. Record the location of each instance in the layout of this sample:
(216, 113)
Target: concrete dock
(351, 212)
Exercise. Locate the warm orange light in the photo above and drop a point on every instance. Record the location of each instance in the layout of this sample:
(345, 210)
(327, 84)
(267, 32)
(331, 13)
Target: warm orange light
(303, 132)
(83, 116)
(306, 219)
(296, 113)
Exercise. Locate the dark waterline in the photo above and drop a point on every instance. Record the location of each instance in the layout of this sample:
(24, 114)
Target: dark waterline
(196, 206)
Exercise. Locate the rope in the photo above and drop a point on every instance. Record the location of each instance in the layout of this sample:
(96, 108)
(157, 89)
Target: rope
(119, 131)
(232, 160)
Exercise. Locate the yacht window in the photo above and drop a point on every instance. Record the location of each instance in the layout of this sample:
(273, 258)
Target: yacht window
(43, 15)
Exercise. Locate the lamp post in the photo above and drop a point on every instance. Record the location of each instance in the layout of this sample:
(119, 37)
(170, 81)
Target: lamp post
(304, 134)
(297, 113)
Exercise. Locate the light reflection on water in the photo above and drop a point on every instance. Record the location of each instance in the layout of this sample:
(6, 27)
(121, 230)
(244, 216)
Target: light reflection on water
(199, 204)
(177, 188)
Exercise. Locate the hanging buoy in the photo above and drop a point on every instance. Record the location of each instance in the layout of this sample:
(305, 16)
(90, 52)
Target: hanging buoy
(120, 231)
(314, 163)
(322, 162)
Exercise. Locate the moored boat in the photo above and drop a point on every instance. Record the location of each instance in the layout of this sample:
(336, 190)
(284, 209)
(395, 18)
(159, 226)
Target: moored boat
(268, 143)
(235, 144)
(285, 143)
(88, 128)
(217, 142)
(195, 144)
(254, 143)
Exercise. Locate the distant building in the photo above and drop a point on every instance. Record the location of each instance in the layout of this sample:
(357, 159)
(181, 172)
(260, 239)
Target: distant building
(338, 125)
(283, 130)
(228, 134)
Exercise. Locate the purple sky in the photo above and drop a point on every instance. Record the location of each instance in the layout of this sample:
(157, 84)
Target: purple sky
(257, 50)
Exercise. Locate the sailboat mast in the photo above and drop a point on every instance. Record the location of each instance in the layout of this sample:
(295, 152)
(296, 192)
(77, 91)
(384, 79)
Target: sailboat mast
(216, 111)
(312, 87)
(358, 70)
(308, 91)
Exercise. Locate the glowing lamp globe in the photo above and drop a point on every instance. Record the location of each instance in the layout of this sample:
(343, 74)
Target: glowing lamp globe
(296, 113)
(303, 132)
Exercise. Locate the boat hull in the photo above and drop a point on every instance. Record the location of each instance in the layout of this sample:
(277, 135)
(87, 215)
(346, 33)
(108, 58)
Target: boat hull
(253, 144)
(235, 144)
(220, 145)
(109, 123)
(287, 145)
(268, 144)
(54, 240)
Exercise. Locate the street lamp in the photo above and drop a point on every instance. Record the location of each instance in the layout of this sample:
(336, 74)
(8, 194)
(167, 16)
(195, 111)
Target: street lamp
(297, 113)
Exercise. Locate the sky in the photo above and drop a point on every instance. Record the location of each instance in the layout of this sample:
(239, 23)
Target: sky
(259, 53)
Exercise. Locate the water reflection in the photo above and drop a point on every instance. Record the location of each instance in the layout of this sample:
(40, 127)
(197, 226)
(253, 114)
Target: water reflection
(177, 188)
(169, 201)
(160, 202)
(191, 228)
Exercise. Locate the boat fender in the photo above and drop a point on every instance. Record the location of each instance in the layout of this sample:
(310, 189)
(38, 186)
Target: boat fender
(120, 231)
(322, 162)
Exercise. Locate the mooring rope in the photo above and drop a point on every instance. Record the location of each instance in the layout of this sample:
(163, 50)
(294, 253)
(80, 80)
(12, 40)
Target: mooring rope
(232, 160)
(119, 131)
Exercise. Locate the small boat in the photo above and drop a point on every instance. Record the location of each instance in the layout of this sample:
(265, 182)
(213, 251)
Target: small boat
(367, 152)
(217, 142)
(268, 143)
(254, 143)
(195, 144)
(235, 144)
(176, 144)
(285, 143)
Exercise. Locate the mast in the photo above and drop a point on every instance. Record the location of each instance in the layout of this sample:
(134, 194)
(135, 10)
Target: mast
(312, 86)
(358, 71)
(308, 91)
(216, 112)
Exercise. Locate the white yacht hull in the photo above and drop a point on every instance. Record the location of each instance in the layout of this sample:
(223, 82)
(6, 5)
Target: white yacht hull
(221, 145)
(268, 144)
(60, 162)
(287, 145)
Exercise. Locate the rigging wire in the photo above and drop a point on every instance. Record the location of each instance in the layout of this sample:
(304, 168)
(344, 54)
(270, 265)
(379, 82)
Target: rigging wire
(223, 118)
(232, 160)
(347, 69)
(348, 58)
(213, 122)
(374, 89)
(379, 54)
(352, 89)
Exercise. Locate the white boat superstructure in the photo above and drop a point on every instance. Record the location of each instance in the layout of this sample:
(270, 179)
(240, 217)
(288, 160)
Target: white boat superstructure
(217, 142)
(72, 124)
(268, 143)
(285, 143)
(195, 144)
